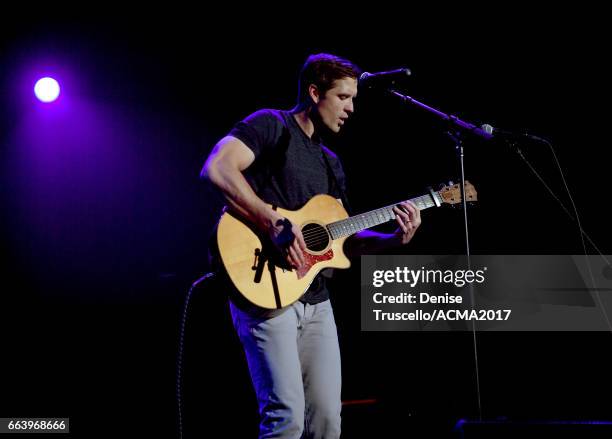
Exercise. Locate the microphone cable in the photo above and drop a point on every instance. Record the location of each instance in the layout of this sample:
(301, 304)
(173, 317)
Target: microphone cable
(575, 217)
(179, 359)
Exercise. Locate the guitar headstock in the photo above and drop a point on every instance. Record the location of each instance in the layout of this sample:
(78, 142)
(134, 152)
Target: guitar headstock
(451, 194)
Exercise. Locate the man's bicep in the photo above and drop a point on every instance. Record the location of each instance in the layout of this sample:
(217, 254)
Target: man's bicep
(232, 151)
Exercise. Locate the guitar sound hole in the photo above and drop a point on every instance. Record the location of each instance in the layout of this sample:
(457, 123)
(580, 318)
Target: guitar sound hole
(315, 236)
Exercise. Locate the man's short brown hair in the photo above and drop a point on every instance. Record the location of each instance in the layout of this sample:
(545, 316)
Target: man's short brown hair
(322, 70)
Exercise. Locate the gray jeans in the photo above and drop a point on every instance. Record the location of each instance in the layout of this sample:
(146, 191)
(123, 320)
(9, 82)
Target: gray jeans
(294, 361)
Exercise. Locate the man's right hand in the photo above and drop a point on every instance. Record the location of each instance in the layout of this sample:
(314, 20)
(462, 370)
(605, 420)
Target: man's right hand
(288, 240)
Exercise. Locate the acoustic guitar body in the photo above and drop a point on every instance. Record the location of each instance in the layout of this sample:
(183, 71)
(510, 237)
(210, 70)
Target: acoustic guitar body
(260, 273)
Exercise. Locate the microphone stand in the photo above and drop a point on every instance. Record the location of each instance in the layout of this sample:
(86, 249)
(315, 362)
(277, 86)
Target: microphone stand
(451, 119)
(457, 128)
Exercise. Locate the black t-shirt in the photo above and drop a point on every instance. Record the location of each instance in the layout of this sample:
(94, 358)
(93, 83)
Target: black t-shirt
(289, 169)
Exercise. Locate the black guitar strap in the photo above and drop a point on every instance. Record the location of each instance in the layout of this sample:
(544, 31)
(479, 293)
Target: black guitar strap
(333, 182)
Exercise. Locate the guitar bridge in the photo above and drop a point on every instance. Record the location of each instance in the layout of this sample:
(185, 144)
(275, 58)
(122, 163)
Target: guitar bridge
(258, 265)
(257, 254)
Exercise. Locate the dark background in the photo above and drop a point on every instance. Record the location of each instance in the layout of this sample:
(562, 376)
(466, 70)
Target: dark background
(105, 222)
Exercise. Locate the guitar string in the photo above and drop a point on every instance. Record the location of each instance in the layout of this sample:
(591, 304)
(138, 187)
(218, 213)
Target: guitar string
(341, 230)
(336, 228)
(325, 235)
(314, 231)
(326, 232)
(315, 234)
(311, 245)
(320, 238)
(316, 242)
(361, 222)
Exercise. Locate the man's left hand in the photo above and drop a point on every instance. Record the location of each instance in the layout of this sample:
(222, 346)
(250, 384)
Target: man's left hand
(408, 217)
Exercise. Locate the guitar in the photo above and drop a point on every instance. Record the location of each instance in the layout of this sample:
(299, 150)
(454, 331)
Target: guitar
(262, 275)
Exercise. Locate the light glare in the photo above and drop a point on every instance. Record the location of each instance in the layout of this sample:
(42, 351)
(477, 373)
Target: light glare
(47, 89)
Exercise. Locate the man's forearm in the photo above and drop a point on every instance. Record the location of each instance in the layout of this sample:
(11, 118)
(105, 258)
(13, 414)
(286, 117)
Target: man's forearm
(241, 197)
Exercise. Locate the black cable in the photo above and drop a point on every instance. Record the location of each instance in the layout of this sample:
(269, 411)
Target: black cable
(179, 360)
(575, 217)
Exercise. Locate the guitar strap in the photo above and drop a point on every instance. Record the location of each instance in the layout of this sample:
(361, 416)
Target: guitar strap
(333, 179)
(333, 182)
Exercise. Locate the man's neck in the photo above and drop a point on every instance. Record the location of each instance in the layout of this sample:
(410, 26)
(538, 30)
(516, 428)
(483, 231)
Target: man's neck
(302, 117)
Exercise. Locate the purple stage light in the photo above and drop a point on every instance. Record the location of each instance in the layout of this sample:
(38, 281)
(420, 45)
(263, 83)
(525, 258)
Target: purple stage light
(47, 89)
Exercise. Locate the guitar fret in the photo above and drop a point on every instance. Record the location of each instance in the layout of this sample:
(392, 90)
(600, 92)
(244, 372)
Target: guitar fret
(390, 215)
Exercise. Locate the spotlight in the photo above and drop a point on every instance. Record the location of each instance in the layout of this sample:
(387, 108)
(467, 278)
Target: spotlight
(47, 89)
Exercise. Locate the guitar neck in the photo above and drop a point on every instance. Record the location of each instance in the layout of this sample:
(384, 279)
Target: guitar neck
(357, 223)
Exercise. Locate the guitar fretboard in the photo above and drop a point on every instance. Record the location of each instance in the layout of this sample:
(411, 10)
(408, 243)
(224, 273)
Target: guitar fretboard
(357, 223)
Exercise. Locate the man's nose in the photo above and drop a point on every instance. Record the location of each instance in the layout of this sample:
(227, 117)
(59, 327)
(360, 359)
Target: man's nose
(350, 107)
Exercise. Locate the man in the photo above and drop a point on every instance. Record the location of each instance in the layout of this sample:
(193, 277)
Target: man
(276, 157)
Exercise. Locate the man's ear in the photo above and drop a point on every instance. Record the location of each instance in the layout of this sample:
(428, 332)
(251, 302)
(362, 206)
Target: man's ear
(313, 92)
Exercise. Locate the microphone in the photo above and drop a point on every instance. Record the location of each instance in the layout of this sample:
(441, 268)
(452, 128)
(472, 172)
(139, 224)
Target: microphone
(505, 134)
(370, 80)
(496, 132)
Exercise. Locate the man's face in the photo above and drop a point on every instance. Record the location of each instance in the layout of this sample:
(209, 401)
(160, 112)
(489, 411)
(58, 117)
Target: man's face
(337, 103)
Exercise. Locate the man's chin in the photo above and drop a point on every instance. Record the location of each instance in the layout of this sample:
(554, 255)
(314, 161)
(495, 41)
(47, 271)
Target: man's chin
(330, 128)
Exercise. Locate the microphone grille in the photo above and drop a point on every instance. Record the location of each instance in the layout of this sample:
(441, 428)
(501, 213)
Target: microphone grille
(487, 128)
